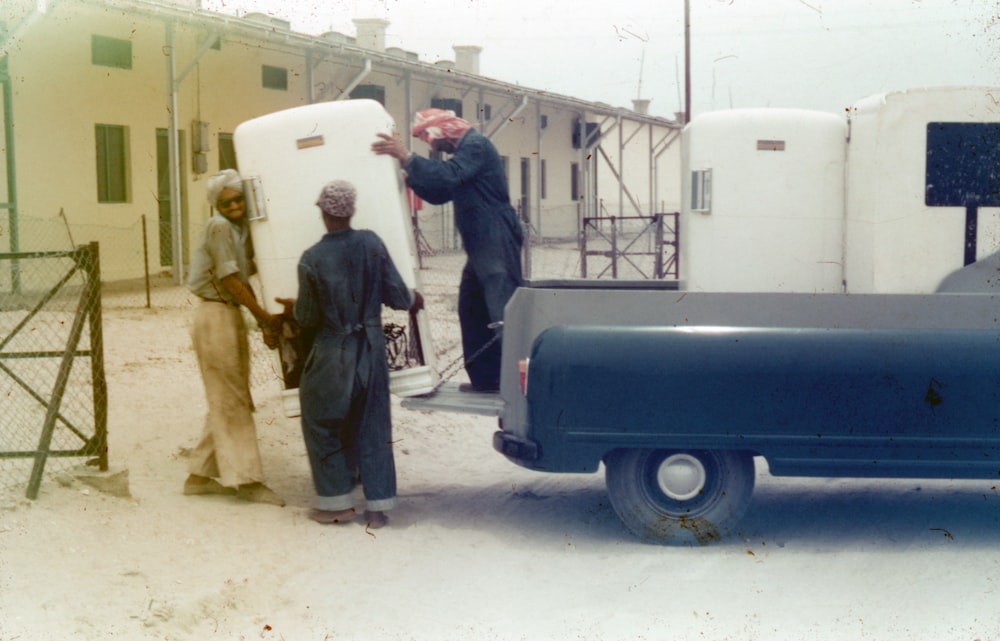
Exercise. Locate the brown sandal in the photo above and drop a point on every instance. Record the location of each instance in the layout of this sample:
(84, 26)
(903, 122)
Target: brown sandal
(330, 517)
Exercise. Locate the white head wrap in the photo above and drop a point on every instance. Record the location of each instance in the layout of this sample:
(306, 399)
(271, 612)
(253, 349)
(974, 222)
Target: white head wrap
(225, 178)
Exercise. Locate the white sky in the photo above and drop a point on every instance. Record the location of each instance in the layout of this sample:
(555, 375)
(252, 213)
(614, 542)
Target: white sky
(810, 54)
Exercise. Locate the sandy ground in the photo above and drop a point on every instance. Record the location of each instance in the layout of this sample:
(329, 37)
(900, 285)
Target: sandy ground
(478, 548)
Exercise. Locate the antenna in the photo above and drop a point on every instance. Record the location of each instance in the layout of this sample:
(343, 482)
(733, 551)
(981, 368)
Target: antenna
(642, 62)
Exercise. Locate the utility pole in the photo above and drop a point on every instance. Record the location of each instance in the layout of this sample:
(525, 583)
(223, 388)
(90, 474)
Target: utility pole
(687, 61)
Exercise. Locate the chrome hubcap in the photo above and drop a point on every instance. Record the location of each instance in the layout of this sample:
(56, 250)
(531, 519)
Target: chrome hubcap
(681, 477)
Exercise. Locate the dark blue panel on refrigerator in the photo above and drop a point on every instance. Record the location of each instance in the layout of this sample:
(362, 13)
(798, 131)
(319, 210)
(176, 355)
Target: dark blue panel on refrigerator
(963, 164)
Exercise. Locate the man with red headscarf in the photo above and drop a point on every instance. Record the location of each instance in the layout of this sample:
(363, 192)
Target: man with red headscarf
(473, 180)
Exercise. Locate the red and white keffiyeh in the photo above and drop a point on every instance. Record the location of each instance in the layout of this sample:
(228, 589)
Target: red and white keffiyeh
(437, 124)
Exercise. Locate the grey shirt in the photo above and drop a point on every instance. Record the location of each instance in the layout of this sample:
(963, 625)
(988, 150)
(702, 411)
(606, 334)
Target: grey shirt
(222, 252)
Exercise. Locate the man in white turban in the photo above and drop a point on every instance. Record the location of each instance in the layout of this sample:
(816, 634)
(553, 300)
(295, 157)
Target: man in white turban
(227, 458)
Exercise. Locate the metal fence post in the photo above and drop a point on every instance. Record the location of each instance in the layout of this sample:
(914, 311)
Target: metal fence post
(98, 380)
(658, 247)
(145, 260)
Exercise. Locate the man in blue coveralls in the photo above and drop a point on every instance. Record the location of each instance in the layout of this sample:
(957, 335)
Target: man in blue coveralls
(344, 280)
(473, 179)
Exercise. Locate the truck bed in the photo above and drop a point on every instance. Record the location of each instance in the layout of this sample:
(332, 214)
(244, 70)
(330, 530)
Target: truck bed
(447, 398)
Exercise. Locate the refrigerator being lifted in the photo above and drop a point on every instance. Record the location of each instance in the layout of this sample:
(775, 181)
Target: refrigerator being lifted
(285, 159)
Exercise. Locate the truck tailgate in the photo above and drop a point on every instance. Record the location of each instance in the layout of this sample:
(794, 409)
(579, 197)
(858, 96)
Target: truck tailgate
(448, 398)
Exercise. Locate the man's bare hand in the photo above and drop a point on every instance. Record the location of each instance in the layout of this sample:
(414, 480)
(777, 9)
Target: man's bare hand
(289, 306)
(271, 330)
(388, 145)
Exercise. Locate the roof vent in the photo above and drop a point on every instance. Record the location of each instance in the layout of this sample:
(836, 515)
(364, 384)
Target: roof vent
(270, 21)
(336, 36)
(402, 53)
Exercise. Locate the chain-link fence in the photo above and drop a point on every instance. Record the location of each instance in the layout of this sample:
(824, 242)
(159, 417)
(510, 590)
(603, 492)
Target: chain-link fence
(135, 273)
(51, 364)
(45, 302)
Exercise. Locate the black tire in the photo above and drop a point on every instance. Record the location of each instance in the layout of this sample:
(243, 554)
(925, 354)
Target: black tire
(680, 496)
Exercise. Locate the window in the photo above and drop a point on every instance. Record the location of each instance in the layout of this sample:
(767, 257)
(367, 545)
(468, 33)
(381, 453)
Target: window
(585, 135)
(701, 191)
(227, 152)
(111, 52)
(448, 103)
(274, 77)
(541, 181)
(372, 92)
(112, 163)
(574, 181)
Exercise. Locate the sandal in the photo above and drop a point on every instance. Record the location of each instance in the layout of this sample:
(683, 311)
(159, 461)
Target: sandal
(331, 517)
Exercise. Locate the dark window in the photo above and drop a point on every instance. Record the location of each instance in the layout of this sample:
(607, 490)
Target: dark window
(371, 92)
(485, 111)
(574, 181)
(541, 179)
(448, 103)
(112, 158)
(164, 196)
(227, 153)
(111, 52)
(586, 140)
(274, 77)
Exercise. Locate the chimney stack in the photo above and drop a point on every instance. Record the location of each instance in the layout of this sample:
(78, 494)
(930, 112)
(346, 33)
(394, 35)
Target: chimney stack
(371, 33)
(640, 105)
(467, 58)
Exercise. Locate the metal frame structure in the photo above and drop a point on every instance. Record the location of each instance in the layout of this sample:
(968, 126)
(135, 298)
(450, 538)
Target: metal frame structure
(664, 229)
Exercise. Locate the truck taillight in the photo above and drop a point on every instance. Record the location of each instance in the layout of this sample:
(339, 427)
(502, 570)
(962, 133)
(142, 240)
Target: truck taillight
(522, 373)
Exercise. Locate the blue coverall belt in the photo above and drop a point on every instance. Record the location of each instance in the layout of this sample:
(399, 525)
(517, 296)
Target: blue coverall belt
(355, 329)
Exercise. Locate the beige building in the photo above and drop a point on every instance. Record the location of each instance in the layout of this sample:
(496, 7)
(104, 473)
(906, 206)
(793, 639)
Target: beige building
(115, 112)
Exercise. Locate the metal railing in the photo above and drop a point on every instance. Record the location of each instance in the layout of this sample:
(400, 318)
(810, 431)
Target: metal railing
(634, 246)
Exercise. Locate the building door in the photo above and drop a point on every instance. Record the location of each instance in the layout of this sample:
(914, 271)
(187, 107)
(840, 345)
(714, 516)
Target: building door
(163, 196)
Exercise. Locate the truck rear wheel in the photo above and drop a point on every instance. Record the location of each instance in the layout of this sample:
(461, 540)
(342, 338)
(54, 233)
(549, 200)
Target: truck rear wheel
(679, 496)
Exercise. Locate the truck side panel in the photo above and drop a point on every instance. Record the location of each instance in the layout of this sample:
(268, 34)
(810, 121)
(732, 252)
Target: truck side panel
(877, 402)
(532, 310)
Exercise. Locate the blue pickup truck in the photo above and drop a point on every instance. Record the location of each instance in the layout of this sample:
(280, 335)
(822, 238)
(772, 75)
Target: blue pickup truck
(677, 393)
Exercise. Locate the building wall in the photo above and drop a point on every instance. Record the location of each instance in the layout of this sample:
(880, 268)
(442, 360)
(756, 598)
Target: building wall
(60, 96)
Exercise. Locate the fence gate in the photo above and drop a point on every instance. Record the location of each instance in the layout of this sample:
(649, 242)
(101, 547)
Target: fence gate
(52, 382)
